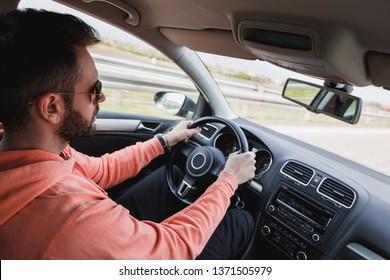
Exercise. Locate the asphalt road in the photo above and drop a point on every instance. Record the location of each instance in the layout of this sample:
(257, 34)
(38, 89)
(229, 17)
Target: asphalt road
(370, 147)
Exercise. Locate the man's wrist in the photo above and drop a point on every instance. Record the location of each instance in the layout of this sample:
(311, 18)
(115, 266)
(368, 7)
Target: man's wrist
(167, 141)
(163, 141)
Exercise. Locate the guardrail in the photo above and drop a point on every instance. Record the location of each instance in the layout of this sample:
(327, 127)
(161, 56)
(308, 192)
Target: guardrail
(119, 73)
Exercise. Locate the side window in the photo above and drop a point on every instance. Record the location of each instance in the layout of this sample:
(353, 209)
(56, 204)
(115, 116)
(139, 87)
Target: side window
(132, 75)
(131, 71)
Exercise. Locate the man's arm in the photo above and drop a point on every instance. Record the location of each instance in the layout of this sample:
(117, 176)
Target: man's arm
(112, 169)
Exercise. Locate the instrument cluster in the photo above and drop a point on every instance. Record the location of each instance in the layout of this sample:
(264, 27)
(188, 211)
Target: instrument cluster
(228, 143)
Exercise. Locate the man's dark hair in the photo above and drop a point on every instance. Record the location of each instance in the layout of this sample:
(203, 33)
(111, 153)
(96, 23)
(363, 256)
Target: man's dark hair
(37, 55)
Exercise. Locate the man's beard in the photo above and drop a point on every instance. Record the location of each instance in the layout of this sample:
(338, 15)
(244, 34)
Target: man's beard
(76, 126)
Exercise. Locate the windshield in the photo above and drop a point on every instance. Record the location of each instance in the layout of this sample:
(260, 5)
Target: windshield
(253, 90)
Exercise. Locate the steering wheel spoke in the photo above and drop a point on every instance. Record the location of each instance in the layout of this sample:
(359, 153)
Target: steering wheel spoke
(186, 187)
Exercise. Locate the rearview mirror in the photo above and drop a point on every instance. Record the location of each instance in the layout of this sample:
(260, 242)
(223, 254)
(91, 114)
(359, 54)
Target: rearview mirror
(175, 103)
(320, 99)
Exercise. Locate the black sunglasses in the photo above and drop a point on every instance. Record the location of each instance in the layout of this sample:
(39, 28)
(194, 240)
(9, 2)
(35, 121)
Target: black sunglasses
(97, 92)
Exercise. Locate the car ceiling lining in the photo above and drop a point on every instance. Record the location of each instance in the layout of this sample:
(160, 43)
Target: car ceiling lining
(200, 30)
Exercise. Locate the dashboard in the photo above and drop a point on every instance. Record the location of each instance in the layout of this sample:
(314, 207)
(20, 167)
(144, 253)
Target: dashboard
(302, 205)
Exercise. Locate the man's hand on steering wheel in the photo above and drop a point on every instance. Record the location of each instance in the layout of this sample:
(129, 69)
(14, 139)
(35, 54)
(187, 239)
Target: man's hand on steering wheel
(180, 132)
(241, 166)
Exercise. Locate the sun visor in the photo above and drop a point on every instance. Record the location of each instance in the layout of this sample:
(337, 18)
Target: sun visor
(300, 49)
(379, 69)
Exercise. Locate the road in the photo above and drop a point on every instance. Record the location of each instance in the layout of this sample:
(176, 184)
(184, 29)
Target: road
(370, 147)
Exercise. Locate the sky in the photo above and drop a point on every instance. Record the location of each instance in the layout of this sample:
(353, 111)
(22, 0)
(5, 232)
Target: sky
(268, 70)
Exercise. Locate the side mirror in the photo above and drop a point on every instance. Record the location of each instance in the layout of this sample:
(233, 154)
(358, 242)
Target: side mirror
(175, 103)
(326, 100)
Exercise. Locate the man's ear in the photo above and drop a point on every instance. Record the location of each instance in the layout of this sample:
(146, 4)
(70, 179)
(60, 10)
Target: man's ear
(1, 130)
(51, 107)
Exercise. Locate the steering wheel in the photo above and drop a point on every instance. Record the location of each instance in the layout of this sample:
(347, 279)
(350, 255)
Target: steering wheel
(194, 165)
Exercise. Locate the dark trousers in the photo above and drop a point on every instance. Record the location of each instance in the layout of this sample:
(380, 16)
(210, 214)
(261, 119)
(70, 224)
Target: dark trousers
(151, 199)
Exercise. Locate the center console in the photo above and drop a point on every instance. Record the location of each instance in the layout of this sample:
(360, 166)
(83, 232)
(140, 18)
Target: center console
(299, 220)
(291, 217)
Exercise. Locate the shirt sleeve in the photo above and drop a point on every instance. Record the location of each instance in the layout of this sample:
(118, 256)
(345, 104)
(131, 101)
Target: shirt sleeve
(112, 169)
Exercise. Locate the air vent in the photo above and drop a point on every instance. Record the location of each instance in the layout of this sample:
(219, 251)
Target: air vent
(298, 172)
(337, 192)
(208, 130)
